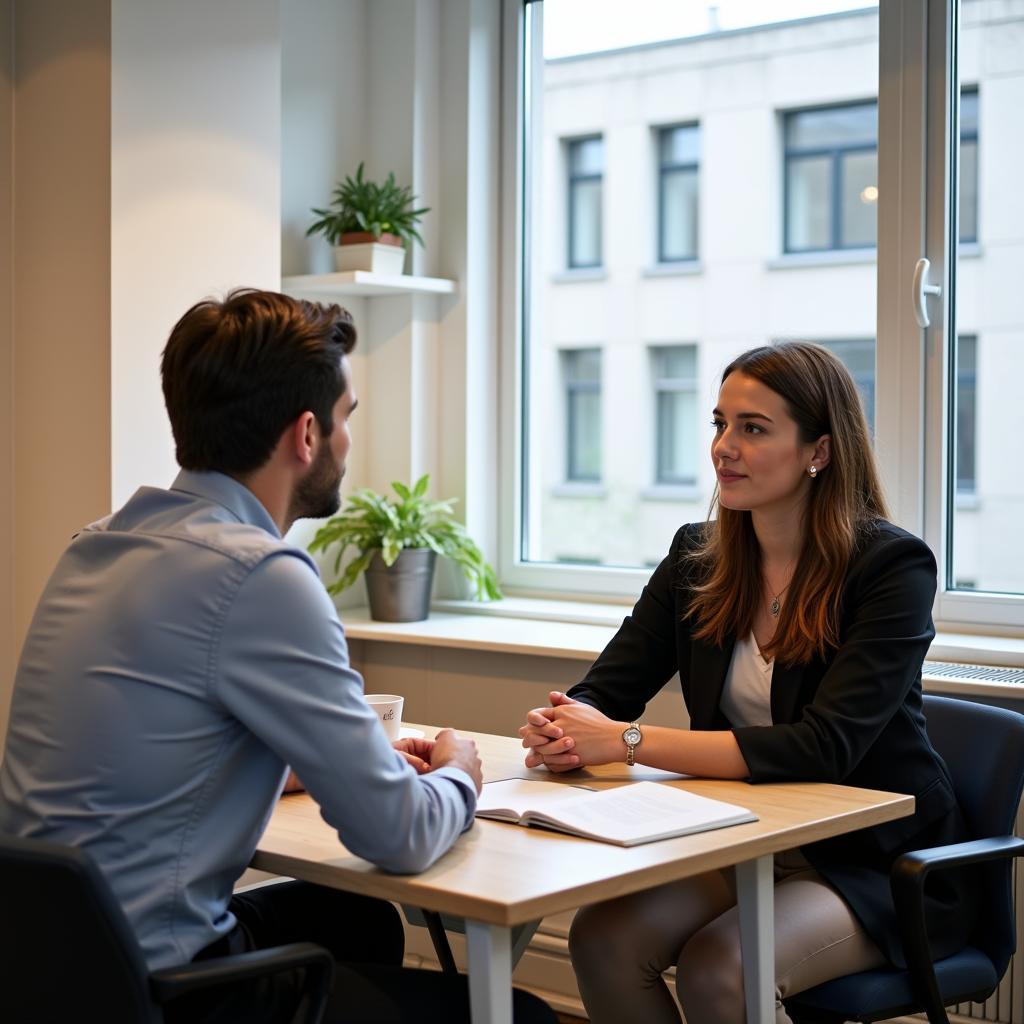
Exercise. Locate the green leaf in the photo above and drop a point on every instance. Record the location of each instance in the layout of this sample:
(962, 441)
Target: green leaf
(370, 522)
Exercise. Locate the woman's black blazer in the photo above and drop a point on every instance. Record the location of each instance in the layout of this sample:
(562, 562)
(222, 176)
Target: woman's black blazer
(853, 717)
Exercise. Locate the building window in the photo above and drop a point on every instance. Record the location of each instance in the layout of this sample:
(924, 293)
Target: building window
(581, 371)
(675, 400)
(965, 412)
(858, 356)
(586, 186)
(968, 165)
(831, 179)
(678, 160)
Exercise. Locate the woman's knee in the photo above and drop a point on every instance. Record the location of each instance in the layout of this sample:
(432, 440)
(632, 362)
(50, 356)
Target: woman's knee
(609, 938)
(709, 977)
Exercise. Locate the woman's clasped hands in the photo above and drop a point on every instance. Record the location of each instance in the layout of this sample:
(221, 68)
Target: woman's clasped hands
(569, 734)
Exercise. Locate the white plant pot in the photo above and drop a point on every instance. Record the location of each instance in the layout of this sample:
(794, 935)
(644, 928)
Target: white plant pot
(372, 256)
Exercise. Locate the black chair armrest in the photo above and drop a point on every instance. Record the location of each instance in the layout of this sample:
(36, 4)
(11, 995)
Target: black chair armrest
(908, 876)
(174, 982)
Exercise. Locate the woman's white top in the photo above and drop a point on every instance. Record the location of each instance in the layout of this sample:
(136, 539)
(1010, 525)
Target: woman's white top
(747, 694)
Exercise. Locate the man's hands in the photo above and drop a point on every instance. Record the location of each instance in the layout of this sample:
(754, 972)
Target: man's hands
(570, 735)
(448, 748)
(425, 755)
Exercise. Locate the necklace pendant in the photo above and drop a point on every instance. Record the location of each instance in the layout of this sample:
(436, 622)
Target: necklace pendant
(774, 607)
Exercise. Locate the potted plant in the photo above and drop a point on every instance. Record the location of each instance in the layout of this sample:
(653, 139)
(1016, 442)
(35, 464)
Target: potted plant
(370, 224)
(398, 543)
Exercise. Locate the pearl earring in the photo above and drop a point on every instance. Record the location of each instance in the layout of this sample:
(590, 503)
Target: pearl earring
(813, 470)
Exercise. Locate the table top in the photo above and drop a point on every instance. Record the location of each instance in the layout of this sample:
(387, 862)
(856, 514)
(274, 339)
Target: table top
(507, 874)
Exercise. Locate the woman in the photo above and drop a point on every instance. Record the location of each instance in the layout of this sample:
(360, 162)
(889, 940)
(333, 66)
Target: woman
(797, 620)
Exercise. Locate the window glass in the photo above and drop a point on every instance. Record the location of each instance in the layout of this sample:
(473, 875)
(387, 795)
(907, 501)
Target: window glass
(859, 199)
(833, 127)
(808, 203)
(678, 150)
(968, 202)
(680, 145)
(831, 177)
(677, 435)
(582, 370)
(586, 162)
(858, 356)
(985, 487)
(654, 149)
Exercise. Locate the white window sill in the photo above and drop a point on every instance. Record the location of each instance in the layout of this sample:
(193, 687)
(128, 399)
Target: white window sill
(573, 275)
(579, 489)
(673, 268)
(671, 492)
(823, 258)
(579, 630)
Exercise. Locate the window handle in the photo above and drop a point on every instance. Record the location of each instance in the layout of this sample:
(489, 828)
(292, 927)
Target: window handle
(921, 290)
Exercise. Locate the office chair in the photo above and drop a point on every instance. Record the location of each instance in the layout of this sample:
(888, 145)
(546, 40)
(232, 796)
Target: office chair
(68, 953)
(983, 747)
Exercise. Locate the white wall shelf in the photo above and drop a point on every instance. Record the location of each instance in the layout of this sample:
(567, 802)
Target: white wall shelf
(364, 283)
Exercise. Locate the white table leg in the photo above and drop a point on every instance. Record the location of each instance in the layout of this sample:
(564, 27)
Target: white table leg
(489, 948)
(755, 891)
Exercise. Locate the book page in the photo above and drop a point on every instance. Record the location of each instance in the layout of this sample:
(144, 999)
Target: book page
(518, 796)
(627, 815)
(642, 812)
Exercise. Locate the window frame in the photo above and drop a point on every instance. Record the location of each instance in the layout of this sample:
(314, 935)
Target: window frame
(673, 386)
(573, 179)
(572, 387)
(836, 155)
(971, 136)
(689, 167)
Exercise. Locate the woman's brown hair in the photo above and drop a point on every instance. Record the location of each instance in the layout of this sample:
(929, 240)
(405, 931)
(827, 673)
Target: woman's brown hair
(845, 498)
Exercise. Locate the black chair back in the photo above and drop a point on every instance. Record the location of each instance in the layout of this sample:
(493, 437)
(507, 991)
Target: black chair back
(67, 951)
(983, 747)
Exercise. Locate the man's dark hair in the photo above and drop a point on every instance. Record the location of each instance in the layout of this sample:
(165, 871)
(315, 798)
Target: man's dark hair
(236, 373)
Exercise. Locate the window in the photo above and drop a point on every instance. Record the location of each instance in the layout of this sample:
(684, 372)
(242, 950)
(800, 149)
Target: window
(677, 441)
(858, 356)
(965, 413)
(581, 370)
(586, 176)
(855, 173)
(678, 156)
(831, 177)
(968, 205)
(636, 162)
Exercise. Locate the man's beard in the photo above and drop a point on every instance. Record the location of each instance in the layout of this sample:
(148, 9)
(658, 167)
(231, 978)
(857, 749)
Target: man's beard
(318, 494)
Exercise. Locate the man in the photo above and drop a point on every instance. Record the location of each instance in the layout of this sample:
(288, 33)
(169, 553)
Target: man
(182, 654)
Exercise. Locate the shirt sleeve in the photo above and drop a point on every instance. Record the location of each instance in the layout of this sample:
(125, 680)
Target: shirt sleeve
(283, 670)
(867, 682)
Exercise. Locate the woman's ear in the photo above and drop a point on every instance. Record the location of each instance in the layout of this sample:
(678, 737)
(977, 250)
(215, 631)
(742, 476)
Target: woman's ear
(822, 454)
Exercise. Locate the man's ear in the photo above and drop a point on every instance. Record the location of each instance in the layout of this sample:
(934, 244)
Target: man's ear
(304, 436)
(822, 451)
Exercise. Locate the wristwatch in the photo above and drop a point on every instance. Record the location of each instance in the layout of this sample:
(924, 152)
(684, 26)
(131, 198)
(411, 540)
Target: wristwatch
(632, 737)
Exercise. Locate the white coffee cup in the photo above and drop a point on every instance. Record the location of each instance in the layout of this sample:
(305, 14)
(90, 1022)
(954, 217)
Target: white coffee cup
(389, 710)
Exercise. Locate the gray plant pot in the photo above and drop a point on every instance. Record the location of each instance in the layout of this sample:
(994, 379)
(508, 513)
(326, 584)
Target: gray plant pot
(401, 593)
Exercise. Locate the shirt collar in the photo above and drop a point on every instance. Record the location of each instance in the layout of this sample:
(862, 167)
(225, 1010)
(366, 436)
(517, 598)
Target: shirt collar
(228, 492)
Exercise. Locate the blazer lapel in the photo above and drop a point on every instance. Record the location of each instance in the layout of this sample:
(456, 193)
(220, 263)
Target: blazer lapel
(709, 666)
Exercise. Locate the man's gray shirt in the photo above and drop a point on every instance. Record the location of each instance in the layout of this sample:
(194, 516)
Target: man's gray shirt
(183, 654)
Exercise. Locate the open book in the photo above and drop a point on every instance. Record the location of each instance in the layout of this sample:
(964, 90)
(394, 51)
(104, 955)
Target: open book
(641, 812)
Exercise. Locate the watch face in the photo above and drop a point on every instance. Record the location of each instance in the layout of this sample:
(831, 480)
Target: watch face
(632, 736)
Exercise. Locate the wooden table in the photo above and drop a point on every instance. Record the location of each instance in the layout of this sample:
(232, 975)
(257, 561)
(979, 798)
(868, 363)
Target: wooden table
(500, 876)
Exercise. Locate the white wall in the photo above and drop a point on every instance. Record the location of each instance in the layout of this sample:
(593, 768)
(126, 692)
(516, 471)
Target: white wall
(195, 193)
(323, 118)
